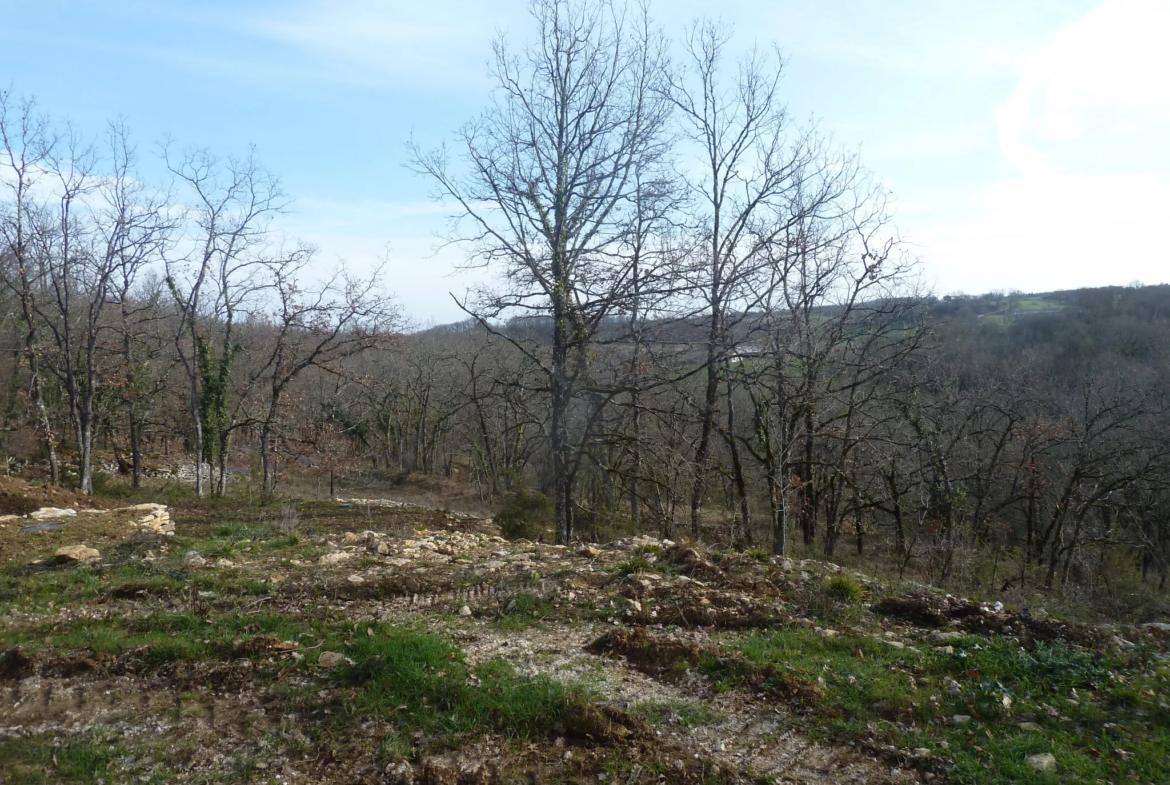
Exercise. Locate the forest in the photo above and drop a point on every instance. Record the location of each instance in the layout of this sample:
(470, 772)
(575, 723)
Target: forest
(701, 322)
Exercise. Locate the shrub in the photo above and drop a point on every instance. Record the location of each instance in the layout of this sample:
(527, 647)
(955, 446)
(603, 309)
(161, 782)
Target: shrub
(527, 516)
(843, 589)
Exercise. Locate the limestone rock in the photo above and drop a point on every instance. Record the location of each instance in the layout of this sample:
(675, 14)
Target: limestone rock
(1043, 761)
(331, 659)
(465, 611)
(52, 512)
(76, 553)
(588, 551)
(335, 558)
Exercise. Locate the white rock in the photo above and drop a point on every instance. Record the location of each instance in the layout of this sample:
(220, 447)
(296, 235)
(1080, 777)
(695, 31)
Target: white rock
(75, 553)
(331, 659)
(961, 719)
(52, 512)
(1044, 761)
(223, 564)
(355, 578)
(335, 558)
(465, 611)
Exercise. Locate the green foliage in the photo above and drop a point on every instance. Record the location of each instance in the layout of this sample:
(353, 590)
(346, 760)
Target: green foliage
(424, 684)
(106, 486)
(215, 382)
(239, 531)
(682, 713)
(844, 589)
(527, 516)
(903, 694)
(80, 759)
(525, 610)
(636, 563)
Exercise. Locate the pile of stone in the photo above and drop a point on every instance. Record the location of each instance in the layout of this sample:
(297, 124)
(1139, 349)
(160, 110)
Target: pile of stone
(156, 520)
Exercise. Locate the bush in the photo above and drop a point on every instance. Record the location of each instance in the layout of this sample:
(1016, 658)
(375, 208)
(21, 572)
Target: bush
(527, 516)
(843, 589)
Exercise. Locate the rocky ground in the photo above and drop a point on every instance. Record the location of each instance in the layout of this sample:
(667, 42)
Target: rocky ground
(370, 641)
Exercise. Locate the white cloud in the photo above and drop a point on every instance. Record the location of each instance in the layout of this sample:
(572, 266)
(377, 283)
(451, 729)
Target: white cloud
(1085, 129)
(438, 43)
(1108, 67)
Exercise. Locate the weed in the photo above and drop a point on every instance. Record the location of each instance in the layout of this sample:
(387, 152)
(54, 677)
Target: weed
(527, 516)
(633, 565)
(844, 589)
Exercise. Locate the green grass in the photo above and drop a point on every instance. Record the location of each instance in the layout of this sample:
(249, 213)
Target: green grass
(682, 713)
(173, 637)
(43, 759)
(634, 564)
(524, 611)
(902, 694)
(424, 684)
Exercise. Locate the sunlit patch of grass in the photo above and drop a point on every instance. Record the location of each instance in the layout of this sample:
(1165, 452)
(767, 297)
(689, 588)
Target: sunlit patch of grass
(423, 683)
(524, 611)
(31, 760)
(903, 693)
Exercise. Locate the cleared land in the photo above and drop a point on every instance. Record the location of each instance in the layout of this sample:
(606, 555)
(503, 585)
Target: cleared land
(383, 643)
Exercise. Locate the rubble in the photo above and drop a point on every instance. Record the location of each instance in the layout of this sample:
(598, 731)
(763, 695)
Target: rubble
(76, 553)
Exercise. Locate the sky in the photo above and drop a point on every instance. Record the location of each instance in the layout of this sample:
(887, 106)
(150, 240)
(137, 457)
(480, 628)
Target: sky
(1024, 143)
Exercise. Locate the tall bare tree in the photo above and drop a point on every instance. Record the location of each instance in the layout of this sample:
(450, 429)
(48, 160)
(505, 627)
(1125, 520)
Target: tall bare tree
(549, 188)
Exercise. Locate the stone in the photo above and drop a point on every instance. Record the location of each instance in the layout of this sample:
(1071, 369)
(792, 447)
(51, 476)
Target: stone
(465, 611)
(331, 659)
(52, 512)
(351, 537)
(336, 557)
(961, 719)
(76, 553)
(588, 551)
(223, 564)
(384, 549)
(355, 578)
(1030, 727)
(1043, 761)
(953, 688)
(194, 558)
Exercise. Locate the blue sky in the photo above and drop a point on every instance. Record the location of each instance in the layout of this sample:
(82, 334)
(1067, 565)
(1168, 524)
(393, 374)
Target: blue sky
(1025, 142)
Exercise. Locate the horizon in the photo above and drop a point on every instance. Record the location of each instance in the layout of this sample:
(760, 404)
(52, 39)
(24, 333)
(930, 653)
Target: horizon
(1020, 144)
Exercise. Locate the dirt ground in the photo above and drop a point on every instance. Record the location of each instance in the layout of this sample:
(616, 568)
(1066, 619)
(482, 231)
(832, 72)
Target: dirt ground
(630, 623)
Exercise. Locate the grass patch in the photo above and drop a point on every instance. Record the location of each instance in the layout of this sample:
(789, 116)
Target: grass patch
(524, 611)
(682, 713)
(634, 564)
(423, 683)
(868, 685)
(31, 760)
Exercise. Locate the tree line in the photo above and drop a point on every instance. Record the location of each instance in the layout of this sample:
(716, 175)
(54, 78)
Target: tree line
(702, 320)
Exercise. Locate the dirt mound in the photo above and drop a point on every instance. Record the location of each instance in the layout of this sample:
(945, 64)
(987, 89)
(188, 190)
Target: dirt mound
(15, 665)
(929, 611)
(668, 659)
(18, 497)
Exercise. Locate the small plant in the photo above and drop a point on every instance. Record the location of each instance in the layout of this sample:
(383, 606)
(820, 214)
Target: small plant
(526, 517)
(633, 564)
(759, 554)
(844, 589)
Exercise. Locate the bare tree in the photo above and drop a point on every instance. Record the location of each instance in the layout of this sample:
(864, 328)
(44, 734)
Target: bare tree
(549, 188)
(28, 143)
(313, 326)
(232, 202)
